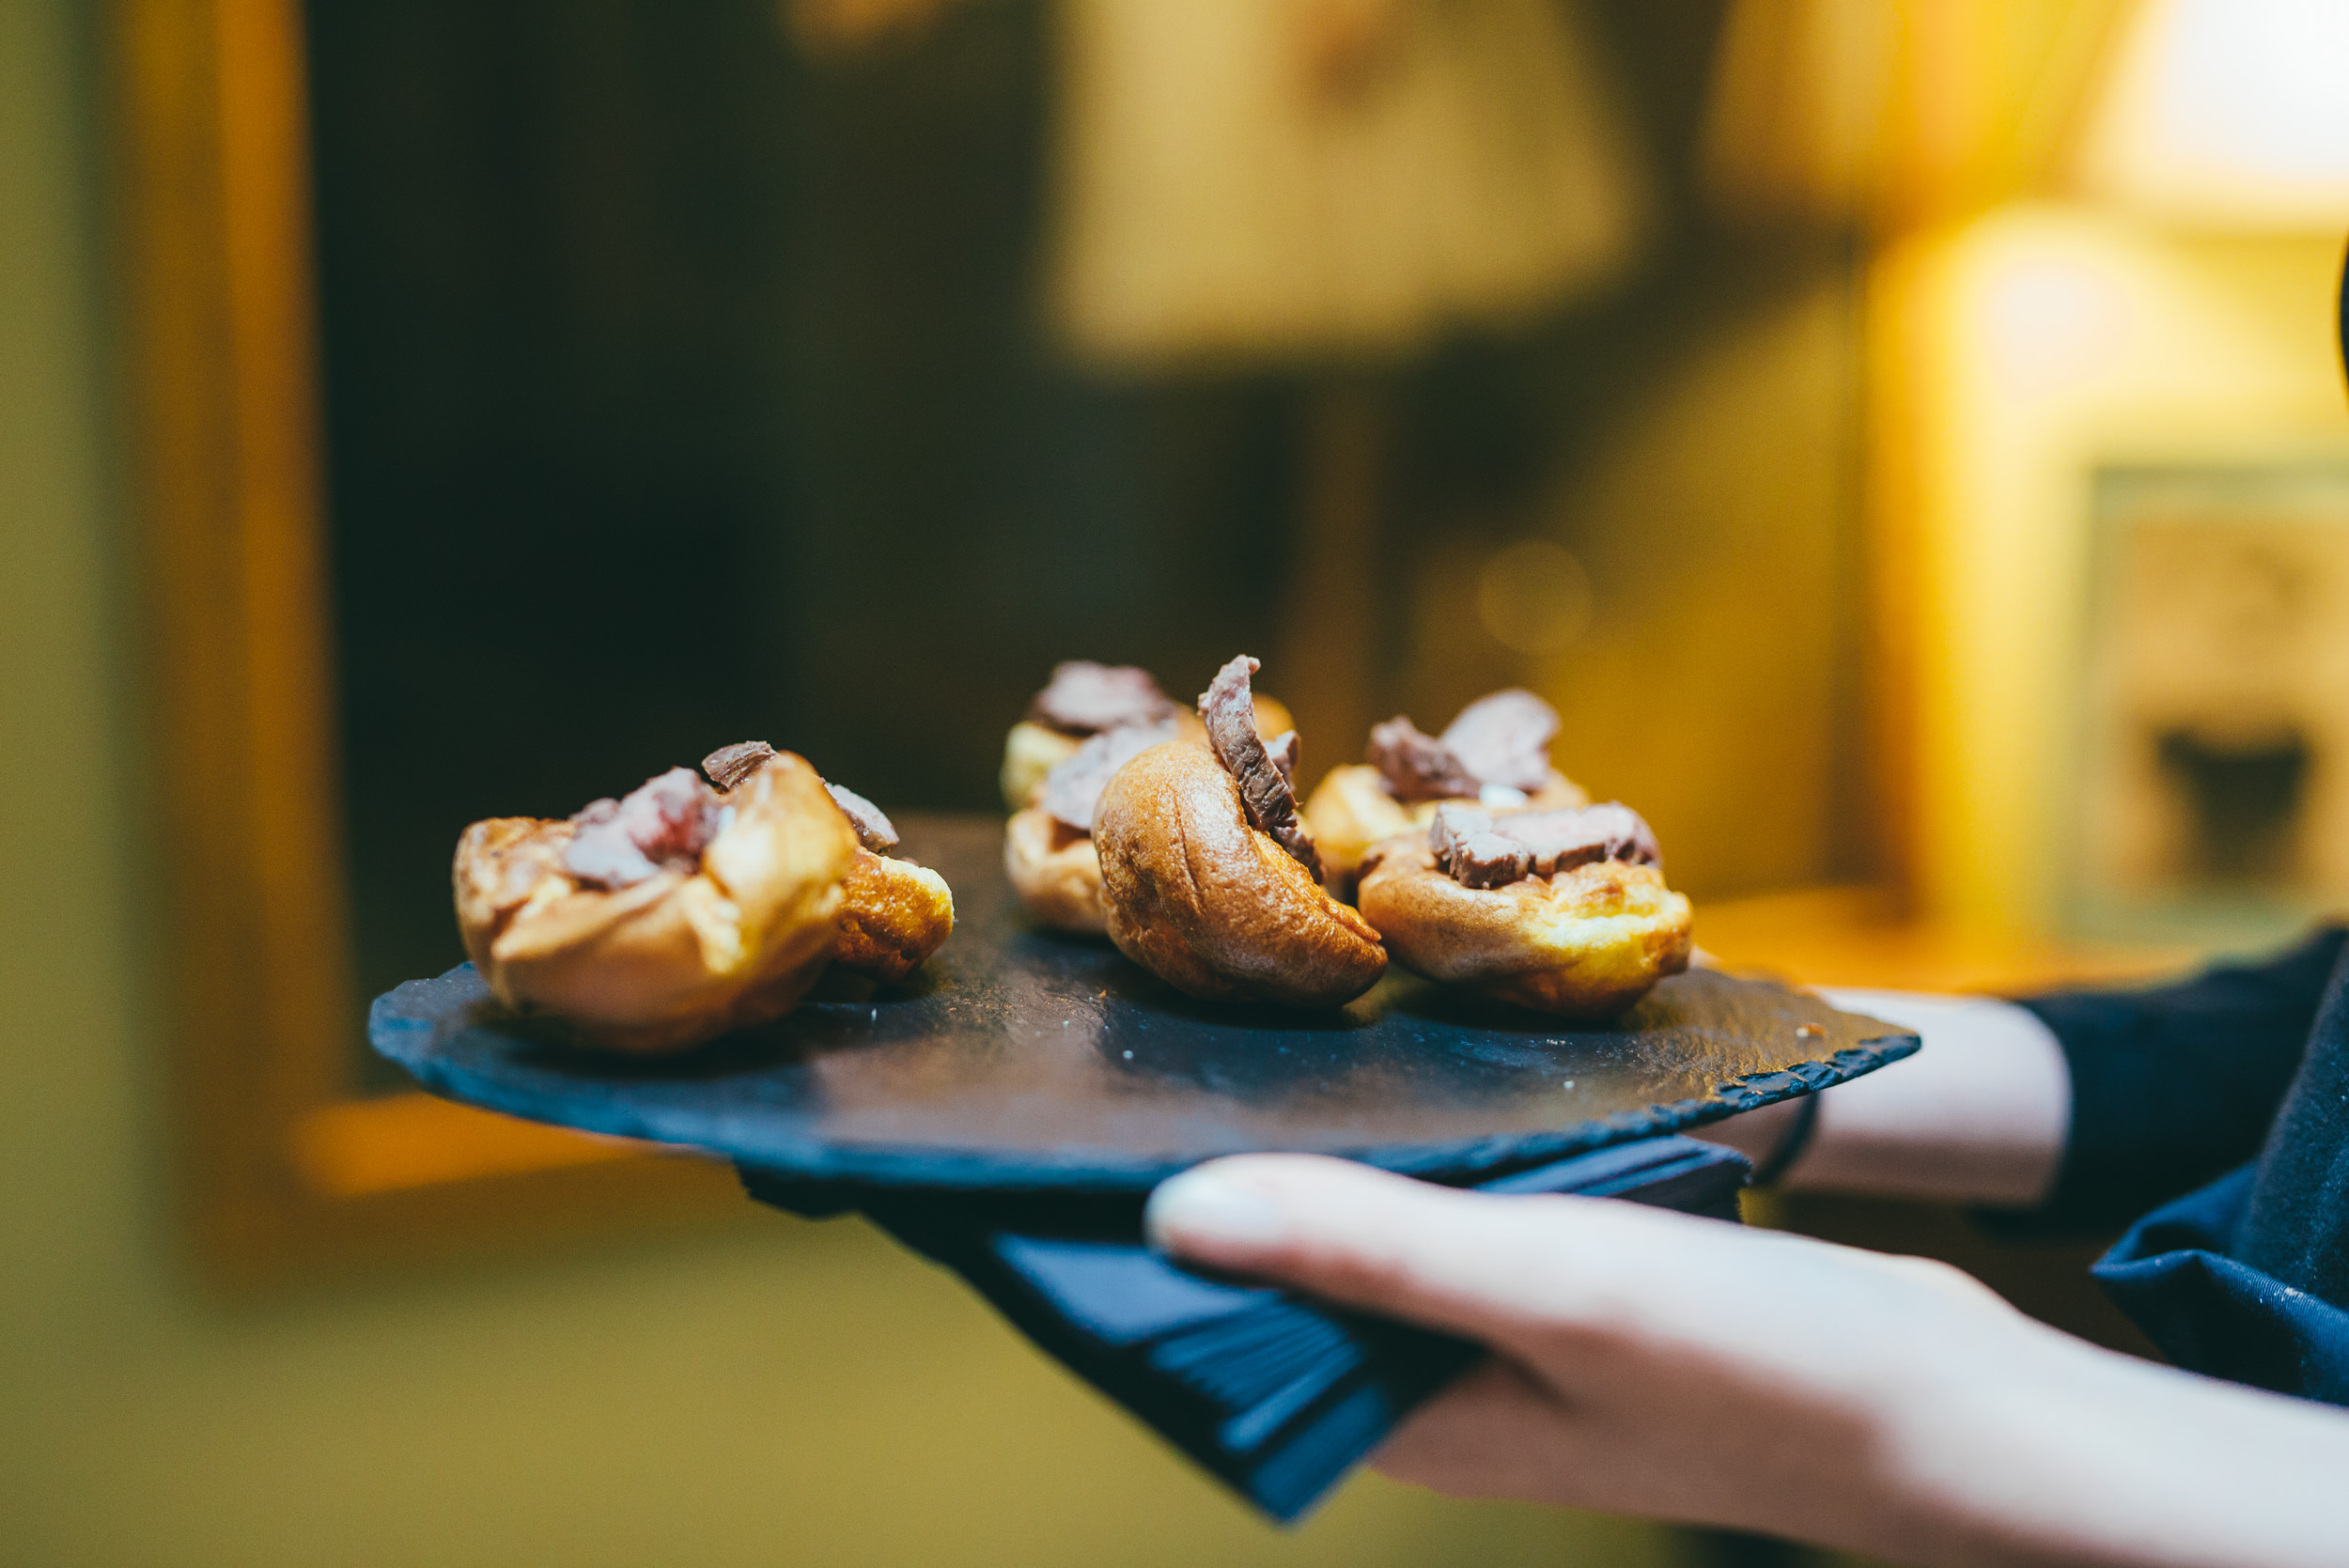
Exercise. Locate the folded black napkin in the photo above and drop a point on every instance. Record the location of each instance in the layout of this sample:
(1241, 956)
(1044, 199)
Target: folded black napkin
(1277, 1395)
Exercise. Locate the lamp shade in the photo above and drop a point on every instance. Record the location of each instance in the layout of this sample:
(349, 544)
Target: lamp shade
(2226, 114)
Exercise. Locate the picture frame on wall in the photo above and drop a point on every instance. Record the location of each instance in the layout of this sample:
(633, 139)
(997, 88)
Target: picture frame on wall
(2208, 784)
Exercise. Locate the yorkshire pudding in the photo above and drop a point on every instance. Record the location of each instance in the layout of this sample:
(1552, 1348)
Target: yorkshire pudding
(894, 914)
(1030, 751)
(1056, 872)
(662, 920)
(1584, 941)
(1196, 891)
(1047, 848)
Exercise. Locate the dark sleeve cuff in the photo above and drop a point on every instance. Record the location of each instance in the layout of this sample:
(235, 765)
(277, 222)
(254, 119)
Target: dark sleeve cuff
(2173, 1086)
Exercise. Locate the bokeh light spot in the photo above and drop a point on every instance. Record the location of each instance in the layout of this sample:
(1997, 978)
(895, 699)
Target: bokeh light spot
(1533, 596)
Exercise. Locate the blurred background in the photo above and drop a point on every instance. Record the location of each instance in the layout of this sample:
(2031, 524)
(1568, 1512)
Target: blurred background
(1904, 438)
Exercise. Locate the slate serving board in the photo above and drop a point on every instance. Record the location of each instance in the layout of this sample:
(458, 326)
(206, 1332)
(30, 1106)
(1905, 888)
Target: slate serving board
(1024, 1061)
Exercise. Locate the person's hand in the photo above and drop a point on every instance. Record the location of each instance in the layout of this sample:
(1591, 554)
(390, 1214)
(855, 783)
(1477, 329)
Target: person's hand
(1651, 1364)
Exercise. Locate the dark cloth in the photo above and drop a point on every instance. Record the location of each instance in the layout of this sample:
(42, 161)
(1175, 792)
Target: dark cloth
(2178, 1277)
(1276, 1395)
(2175, 1085)
(2246, 1276)
(2295, 1225)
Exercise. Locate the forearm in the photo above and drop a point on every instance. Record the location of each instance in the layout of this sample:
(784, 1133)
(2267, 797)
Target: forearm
(2068, 1453)
(1978, 1116)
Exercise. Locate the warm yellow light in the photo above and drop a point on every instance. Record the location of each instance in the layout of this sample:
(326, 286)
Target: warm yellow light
(2050, 320)
(2227, 112)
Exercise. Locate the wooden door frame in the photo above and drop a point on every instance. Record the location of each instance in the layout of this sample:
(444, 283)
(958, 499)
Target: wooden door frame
(282, 1170)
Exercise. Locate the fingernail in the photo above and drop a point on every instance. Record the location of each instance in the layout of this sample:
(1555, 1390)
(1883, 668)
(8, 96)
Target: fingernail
(1205, 1211)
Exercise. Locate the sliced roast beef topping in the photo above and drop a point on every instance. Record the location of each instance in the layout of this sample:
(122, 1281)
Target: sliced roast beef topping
(1504, 740)
(1418, 766)
(1073, 789)
(665, 824)
(1282, 750)
(1499, 742)
(1471, 854)
(1085, 698)
(1478, 849)
(873, 827)
(1229, 710)
(1628, 836)
(730, 766)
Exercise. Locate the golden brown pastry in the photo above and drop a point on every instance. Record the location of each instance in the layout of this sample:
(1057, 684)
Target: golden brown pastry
(1209, 879)
(1047, 848)
(1055, 871)
(894, 914)
(1563, 911)
(1030, 751)
(1495, 753)
(667, 918)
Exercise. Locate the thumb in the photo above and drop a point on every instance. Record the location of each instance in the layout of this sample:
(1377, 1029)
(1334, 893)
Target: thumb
(1470, 1263)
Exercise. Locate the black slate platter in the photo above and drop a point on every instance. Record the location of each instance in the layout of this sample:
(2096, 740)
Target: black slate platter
(1021, 1061)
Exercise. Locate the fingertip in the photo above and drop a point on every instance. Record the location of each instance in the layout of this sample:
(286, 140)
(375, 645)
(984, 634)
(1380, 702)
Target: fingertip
(1239, 1209)
(1209, 1212)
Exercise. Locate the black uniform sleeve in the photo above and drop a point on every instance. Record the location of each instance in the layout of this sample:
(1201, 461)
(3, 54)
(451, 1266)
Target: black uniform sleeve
(2175, 1085)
